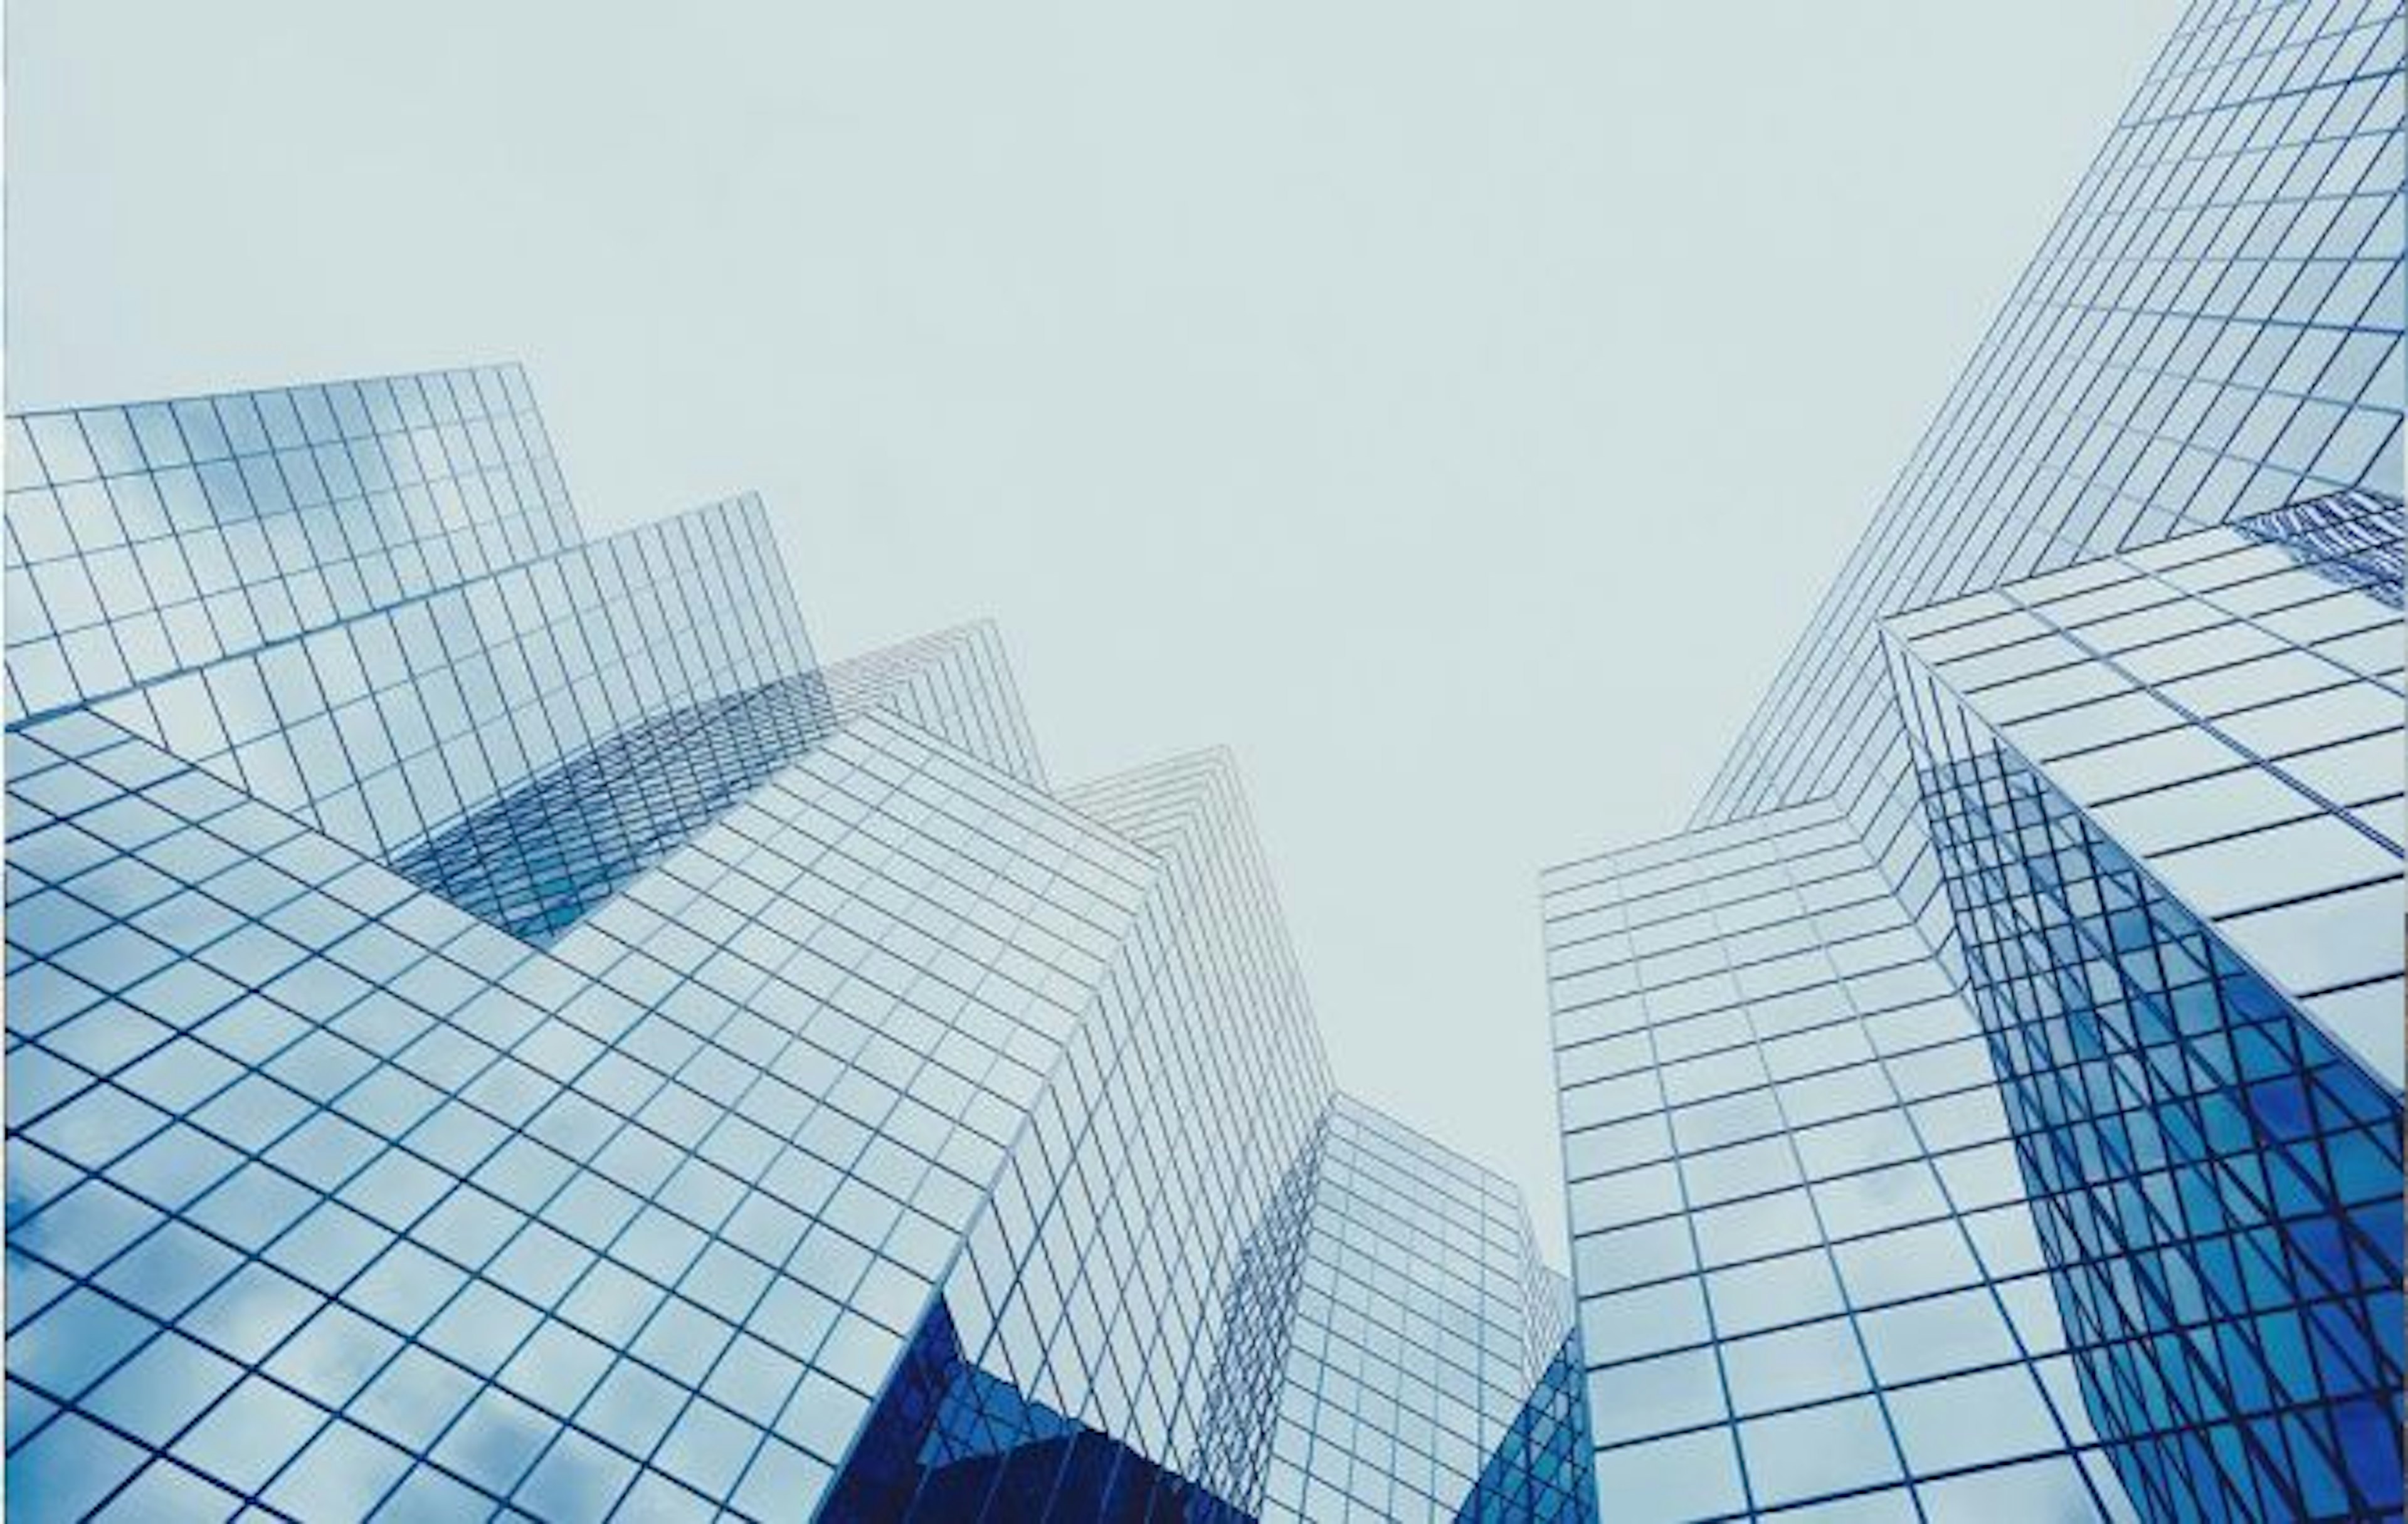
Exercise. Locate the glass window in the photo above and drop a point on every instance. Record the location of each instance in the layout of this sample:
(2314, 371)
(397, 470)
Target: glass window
(1729, 1118)
(1744, 1169)
(1684, 1477)
(68, 1468)
(1758, 1226)
(1933, 1428)
(577, 1478)
(1957, 1332)
(249, 1435)
(1792, 1366)
(2052, 1488)
(1632, 1256)
(495, 1440)
(2225, 803)
(2279, 864)
(1610, 1201)
(162, 1388)
(1877, 1199)
(1909, 1263)
(1655, 1396)
(1817, 1449)
(1856, 1143)
(1666, 1316)
(1768, 1292)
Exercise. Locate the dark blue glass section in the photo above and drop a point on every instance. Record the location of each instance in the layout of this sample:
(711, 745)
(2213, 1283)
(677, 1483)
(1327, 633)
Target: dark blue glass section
(1542, 1472)
(1257, 1330)
(534, 861)
(949, 1442)
(2215, 1182)
(2351, 538)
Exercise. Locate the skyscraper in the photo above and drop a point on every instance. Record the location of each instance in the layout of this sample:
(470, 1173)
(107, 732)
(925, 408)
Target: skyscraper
(497, 1025)
(1989, 1108)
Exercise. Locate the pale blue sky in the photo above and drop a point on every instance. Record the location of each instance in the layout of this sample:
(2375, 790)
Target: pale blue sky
(1456, 408)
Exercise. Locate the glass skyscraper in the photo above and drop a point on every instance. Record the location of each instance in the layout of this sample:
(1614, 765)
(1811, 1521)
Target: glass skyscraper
(498, 1027)
(1989, 1106)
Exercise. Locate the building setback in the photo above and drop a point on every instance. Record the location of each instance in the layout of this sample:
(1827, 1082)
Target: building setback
(496, 1026)
(1989, 1106)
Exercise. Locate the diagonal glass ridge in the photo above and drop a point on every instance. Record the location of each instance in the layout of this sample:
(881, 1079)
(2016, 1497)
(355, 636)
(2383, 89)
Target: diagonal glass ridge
(534, 861)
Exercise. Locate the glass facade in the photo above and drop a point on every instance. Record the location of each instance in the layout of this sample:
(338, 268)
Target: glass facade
(2213, 1155)
(1801, 1233)
(2227, 707)
(2211, 329)
(496, 1026)
(1422, 1333)
(1989, 1106)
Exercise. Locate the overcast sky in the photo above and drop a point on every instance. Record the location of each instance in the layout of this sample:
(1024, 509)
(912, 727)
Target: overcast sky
(1455, 409)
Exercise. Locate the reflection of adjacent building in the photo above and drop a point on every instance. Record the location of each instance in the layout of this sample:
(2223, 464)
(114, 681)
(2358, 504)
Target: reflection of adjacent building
(1989, 1106)
(496, 1026)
